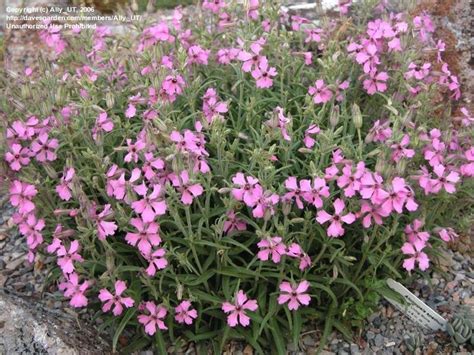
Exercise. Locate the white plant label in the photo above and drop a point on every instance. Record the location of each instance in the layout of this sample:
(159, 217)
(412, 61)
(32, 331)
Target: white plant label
(416, 309)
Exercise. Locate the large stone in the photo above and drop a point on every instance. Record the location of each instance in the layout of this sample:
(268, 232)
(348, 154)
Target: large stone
(26, 327)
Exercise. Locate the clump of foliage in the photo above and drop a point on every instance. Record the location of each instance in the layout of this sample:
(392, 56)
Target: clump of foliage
(241, 174)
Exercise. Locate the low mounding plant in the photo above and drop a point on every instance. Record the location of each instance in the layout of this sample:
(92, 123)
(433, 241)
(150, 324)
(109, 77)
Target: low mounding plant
(239, 174)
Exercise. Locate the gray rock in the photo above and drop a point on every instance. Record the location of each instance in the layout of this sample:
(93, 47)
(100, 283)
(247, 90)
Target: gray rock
(355, 349)
(29, 328)
(379, 340)
(370, 335)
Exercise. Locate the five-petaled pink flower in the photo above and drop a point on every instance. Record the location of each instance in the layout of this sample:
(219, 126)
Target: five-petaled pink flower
(233, 223)
(271, 246)
(184, 313)
(66, 258)
(147, 235)
(416, 255)
(156, 259)
(117, 301)
(237, 310)
(17, 156)
(44, 148)
(320, 92)
(74, 290)
(294, 295)
(335, 229)
(249, 189)
(65, 186)
(152, 204)
(188, 191)
(263, 74)
(153, 318)
(21, 195)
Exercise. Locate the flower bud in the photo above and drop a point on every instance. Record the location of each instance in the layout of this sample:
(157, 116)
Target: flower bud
(109, 100)
(334, 117)
(401, 167)
(25, 92)
(50, 171)
(357, 116)
(380, 164)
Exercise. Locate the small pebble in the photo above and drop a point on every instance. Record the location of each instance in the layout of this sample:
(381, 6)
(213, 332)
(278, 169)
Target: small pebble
(379, 340)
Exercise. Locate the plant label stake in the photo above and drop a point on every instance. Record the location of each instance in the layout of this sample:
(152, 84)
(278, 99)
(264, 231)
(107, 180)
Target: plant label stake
(416, 309)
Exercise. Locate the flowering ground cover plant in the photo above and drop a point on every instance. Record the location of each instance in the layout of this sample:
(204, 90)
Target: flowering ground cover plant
(241, 175)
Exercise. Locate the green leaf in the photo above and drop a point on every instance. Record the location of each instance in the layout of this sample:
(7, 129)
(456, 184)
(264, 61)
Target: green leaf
(123, 323)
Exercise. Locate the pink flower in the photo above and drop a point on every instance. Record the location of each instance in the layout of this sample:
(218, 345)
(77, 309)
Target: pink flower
(198, 55)
(214, 5)
(295, 251)
(151, 166)
(173, 85)
(118, 187)
(250, 190)
(271, 246)
(397, 196)
(414, 234)
(74, 290)
(296, 193)
(369, 212)
(237, 310)
(280, 121)
(64, 188)
(265, 205)
(156, 261)
(103, 123)
(376, 82)
(186, 142)
(445, 180)
(380, 132)
(312, 193)
(31, 228)
(104, 228)
(226, 55)
(115, 300)
(313, 35)
(416, 255)
(253, 58)
(66, 258)
(349, 180)
(233, 223)
(188, 191)
(335, 229)
(252, 9)
(294, 294)
(147, 237)
(320, 92)
(133, 149)
(151, 205)
(153, 318)
(308, 140)
(212, 107)
(372, 188)
(417, 72)
(44, 148)
(184, 313)
(400, 151)
(447, 234)
(151, 36)
(368, 58)
(21, 195)
(263, 74)
(17, 156)
(394, 45)
(296, 21)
